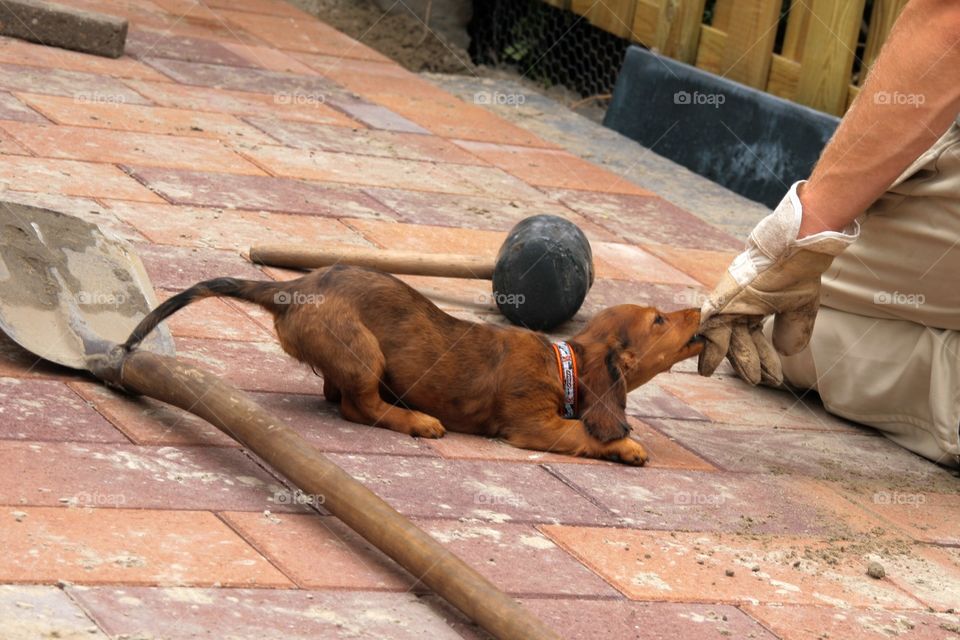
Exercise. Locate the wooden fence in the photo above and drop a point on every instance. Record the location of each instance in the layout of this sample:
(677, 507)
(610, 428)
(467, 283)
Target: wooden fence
(814, 66)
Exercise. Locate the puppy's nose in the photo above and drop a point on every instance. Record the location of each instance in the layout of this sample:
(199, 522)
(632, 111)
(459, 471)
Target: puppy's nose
(686, 316)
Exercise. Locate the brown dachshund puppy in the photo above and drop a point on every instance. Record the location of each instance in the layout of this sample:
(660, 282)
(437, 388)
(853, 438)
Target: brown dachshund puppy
(391, 358)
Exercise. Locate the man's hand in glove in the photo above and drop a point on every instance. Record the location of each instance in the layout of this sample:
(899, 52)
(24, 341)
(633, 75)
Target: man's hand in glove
(776, 274)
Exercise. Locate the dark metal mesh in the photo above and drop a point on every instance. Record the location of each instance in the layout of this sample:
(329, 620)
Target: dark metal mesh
(546, 45)
(556, 47)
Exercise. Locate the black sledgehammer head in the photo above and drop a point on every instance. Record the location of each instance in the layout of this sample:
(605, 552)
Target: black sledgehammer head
(543, 272)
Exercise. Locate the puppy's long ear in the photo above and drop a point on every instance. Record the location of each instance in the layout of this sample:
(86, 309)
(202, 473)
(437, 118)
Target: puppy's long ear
(602, 394)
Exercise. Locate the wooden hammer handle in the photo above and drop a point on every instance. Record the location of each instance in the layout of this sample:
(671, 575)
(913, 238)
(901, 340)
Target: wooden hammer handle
(234, 413)
(447, 265)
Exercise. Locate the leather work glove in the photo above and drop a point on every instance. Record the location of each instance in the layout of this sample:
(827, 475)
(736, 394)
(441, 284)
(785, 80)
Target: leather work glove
(775, 274)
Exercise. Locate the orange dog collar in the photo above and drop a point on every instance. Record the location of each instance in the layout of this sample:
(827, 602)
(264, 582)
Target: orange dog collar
(567, 364)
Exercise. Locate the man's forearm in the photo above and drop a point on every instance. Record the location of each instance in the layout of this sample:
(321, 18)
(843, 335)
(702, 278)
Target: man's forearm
(909, 100)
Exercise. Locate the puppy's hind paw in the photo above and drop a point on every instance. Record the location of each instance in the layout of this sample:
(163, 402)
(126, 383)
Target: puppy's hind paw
(427, 427)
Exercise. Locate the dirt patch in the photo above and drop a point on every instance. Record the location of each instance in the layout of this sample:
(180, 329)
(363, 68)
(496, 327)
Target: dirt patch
(401, 36)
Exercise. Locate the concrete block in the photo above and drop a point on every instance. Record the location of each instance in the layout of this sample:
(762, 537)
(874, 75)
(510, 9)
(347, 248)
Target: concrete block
(57, 25)
(751, 142)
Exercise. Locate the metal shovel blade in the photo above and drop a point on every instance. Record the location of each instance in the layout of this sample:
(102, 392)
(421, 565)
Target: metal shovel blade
(69, 292)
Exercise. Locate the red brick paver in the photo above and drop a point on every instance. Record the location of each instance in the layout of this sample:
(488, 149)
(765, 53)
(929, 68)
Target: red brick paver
(96, 145)
(238, 103)
(125, 546)
(162, 120)
(49, 410)
(811, 622)
(187, 613)
(27, 53)
(69, 177)
(145, 421)
(258, 193)
(230, 230)
(926, 516)
(135, 477)
(552, 168)
(700, 567)
(590, 619)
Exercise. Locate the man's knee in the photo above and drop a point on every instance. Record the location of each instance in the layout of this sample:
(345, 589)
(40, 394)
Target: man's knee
(897, 376)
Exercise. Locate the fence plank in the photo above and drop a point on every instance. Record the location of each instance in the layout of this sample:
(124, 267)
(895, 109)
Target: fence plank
(827, 59)
(750, 36)
(784, 76)
(710, 51)
(814, 68)
(721, 15)
(645, 18)
(613, 16)
(798, 22)
(678, 29)
(784, 73)
(882, 17)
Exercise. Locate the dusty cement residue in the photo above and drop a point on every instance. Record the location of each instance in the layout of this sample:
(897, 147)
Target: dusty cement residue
(35, 241)
(54, 267)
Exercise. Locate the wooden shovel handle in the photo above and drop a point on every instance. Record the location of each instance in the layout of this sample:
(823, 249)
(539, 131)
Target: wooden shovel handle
(234, 413)
(449, 265)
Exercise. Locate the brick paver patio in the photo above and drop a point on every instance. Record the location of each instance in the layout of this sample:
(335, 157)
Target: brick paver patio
(238, 121)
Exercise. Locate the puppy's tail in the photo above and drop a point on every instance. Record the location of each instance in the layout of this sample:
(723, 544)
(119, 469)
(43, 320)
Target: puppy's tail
(265, 294)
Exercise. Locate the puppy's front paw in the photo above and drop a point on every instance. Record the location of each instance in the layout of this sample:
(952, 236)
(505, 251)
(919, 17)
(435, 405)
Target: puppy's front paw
(628, 451)
(427, 427)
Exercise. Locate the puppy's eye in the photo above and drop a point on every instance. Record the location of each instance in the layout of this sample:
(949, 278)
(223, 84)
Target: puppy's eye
(659, 320)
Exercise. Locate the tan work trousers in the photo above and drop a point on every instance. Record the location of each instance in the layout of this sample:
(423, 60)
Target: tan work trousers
(885, 350)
